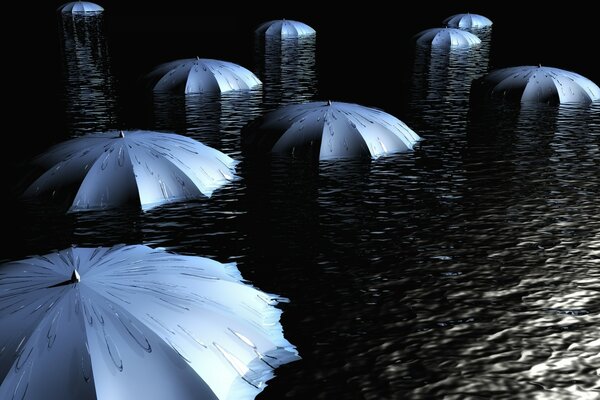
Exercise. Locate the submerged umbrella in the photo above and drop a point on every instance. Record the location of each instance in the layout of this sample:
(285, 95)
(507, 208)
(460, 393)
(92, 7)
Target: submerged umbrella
(148, 168)
(201, 75)
(531, 84)
(329, 130)
(80, 7)
(131, 322)
(447, 38)
(285, 29)
(468, 21)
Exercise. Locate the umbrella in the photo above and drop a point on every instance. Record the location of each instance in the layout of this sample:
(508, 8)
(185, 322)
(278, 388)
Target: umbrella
(468, 21)
(132, 322)
(329, 130)
(201, 75)
(537, 84)
(148, 168)
(285, 29)
(80, 7)
(447, 38)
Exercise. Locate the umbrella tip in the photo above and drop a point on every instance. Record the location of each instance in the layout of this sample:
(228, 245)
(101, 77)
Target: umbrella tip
(328, 102)
(197, 58)
(121, 134)
(75, 278)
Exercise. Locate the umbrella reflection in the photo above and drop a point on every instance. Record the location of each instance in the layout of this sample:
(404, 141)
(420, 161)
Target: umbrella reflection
(214, 119)
(90, 93)
(287, 68)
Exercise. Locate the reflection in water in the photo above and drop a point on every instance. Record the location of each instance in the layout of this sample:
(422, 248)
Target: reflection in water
(213, 119)
(287, 68)
(90, 94)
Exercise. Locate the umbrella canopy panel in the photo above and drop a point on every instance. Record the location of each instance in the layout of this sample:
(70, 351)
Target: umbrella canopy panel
(447, 38)
(329, 130)
(116, 168)
(537, 84)
(80, 7)
(468, 21)
(201, 75)
(285, 29)
(133, 322)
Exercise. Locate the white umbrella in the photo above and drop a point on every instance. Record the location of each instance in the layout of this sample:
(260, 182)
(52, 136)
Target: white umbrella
(131, 322)
(80, 7)
(148, 168)
(468, 21)
(285, 29)
(531, 84)
(329, 130)
(447, 38)
(201, 75)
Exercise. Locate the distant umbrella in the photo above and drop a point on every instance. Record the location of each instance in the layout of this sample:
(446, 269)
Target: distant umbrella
(131, 322)
(447, 38)
(80, 7)
(201, 75)
(147, 168)
(468, 21)
(531, 84)
(285, 29)
(329, 130)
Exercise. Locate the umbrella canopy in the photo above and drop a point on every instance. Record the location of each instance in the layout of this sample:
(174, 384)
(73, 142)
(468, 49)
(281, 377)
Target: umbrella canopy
(201, 75)
(132, 322)
(531, 84)
(148, 168)
(447, 38)
(468, 21)
(329, 130)
(80, 7)
(285, 29)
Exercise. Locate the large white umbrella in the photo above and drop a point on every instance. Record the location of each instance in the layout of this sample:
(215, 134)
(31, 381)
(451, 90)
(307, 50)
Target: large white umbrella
(329, 130)
(80, 7)
(284, 28)
(147, 168)
(447, 38)
(468, 21)
(132, 322)
(537, 84)
(201, 75)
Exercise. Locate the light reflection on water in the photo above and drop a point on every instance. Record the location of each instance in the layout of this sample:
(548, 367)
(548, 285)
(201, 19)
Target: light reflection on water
(287, 68)
(466, 268)
(90, 87)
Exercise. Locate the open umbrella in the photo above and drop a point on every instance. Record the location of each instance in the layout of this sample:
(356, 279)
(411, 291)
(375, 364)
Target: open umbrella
(285, 29)
(447, 38)
(329, 130)
(132, 322)
(80, 7)
(536, 84)
(201, 75)
(147, 168)
(468, 21)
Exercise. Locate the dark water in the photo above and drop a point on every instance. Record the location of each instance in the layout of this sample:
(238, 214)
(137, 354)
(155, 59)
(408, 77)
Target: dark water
(469, 268)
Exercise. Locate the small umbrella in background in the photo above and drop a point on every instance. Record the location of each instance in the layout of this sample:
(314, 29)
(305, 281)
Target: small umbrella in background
(201, 75)
(536, 84)
(80, 7)
(132, 322)
(283, 28)
(447, 38)
(468, 21)
(116, 168)
(329, 130)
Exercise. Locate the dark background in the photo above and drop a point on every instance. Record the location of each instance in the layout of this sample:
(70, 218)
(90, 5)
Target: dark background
(363, 51)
